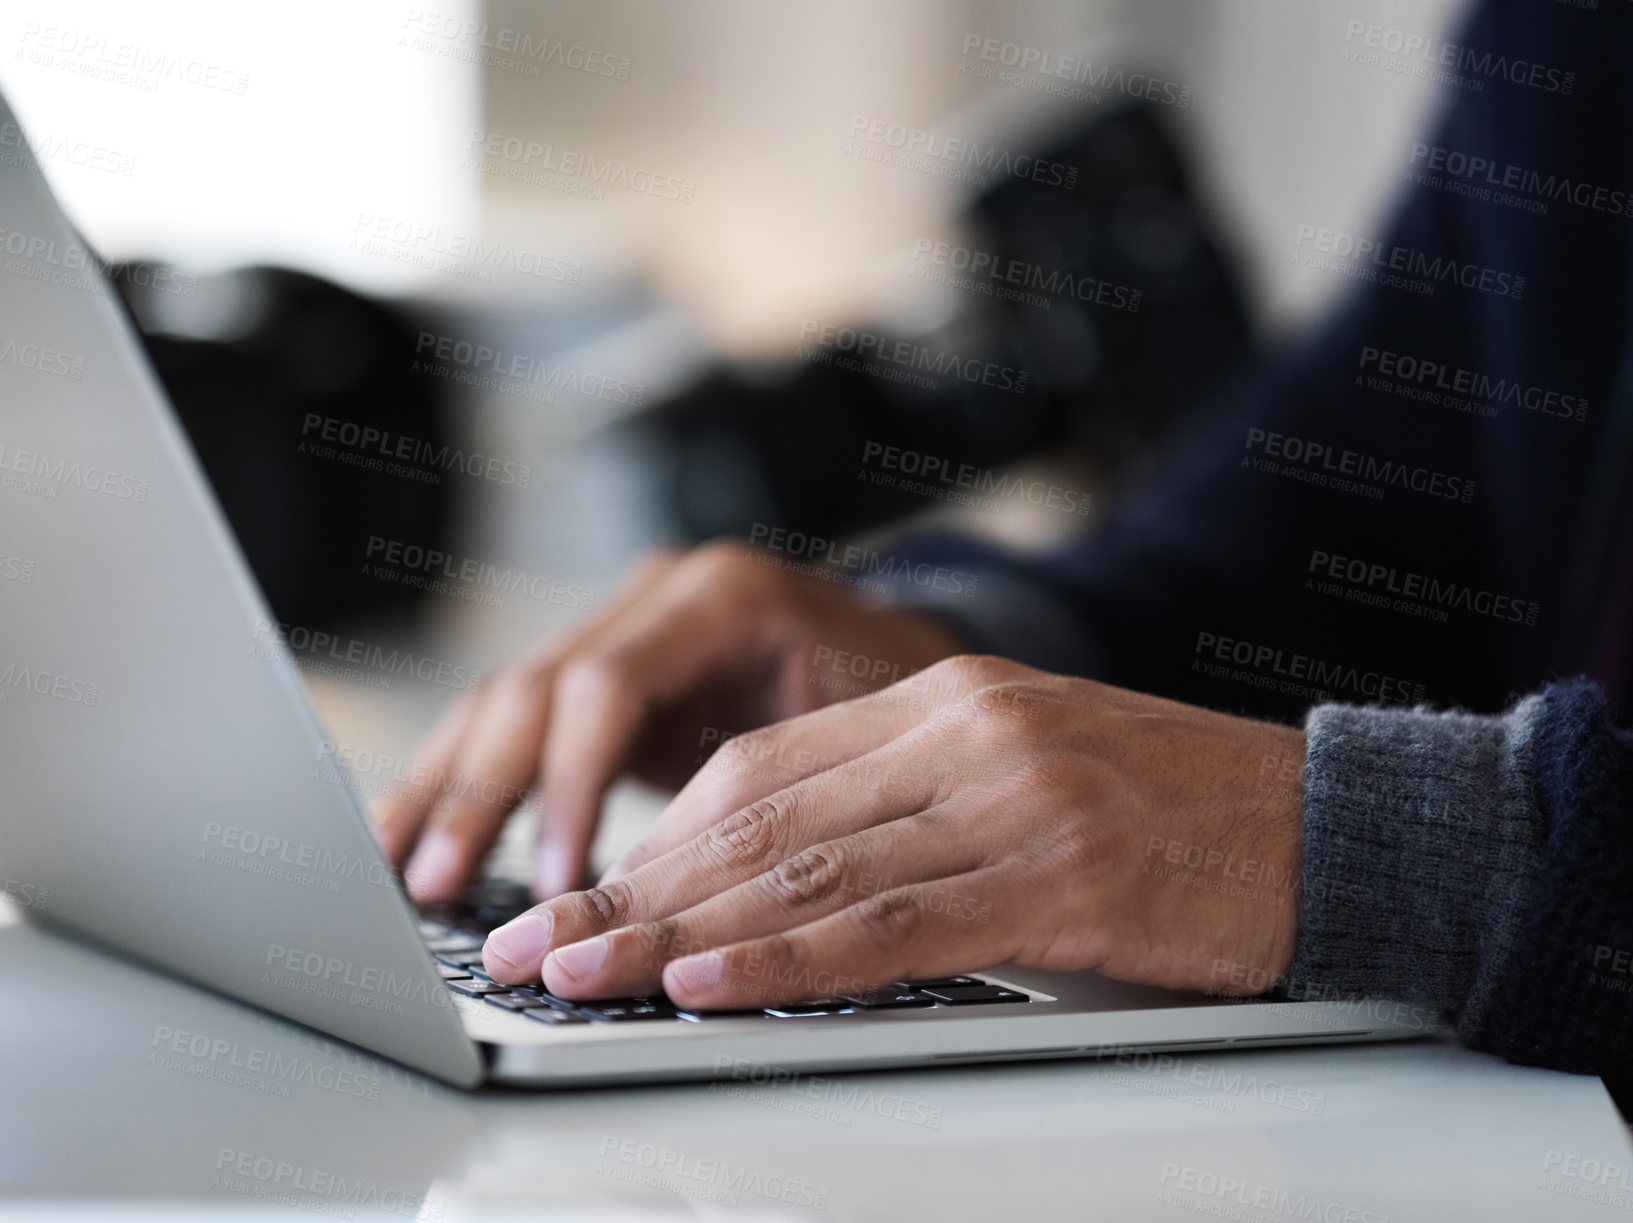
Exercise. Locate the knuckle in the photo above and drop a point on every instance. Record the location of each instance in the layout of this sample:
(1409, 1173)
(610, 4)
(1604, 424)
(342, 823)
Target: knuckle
(751, 836)
(890, 919)
(807, 877)
(953, 678)
(606, 905)
(773, 956)
(972, 668)
(1005, 702)
(739, 753)
(589, 676)
(767, 751)
(517, 683)
(662, 938)
(998, 711)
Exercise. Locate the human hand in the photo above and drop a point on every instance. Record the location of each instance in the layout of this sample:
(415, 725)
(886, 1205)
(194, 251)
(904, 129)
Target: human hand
(706, 640)
(977, 813)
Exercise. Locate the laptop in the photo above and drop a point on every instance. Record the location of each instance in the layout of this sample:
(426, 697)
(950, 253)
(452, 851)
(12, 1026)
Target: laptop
(166, 792)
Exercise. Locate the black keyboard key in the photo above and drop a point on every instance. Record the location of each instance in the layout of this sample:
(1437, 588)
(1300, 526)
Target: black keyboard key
(477, 989)
(550, 1015)
(461, 959)
(449, 973)
(513, 1001)
(964, 995)
(938, 983)
(697, 1016)
(626, 1014)
(623, 1010)
(817, 1006)
(887, 999)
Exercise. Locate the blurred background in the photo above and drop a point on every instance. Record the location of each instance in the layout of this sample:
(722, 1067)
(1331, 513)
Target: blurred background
(465, 304)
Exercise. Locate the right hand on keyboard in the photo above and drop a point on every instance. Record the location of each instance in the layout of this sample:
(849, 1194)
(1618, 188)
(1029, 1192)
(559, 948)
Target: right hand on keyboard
(697, 647)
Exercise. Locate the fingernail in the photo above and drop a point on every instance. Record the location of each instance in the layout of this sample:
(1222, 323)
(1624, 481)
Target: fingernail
(699, 971)
(435, 865)
(581, 959)
(521, 943)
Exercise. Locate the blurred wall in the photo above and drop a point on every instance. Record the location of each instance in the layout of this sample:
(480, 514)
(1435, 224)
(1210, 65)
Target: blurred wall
(756, 104)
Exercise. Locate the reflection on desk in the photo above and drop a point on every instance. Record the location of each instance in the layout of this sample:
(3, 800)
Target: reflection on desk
(126, 1094)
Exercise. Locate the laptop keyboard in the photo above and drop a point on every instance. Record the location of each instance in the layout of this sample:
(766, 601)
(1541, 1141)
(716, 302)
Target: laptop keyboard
(454, 932)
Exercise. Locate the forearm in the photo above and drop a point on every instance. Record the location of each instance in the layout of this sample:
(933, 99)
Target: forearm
(1477, 865)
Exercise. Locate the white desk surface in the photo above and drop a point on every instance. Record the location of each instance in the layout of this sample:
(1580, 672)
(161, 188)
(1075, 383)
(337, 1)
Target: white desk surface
(98, 1119)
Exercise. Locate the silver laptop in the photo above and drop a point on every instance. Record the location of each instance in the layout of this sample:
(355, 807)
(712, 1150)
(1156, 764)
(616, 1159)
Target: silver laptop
(166, 791)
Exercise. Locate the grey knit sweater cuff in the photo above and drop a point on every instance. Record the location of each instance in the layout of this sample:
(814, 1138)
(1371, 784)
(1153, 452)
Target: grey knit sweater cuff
(1422, 838)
